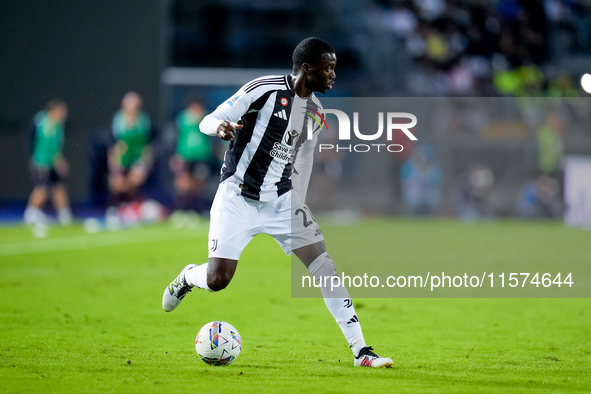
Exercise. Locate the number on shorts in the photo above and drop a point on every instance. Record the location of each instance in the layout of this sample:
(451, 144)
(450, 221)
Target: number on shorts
(306, 222)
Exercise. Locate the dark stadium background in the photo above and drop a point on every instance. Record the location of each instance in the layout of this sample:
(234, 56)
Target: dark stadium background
(81, 303)
(90, 53)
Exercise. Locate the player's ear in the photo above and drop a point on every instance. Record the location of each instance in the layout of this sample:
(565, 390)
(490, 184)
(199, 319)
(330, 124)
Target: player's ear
(306, 67)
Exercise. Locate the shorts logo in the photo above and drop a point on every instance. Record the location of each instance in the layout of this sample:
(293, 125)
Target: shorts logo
(284, 102)
(214, 245)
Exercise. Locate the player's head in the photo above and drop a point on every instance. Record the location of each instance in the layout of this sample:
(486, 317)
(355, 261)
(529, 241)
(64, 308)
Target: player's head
(316, 59)
(132, 102)
(57, 109)
(195, 105)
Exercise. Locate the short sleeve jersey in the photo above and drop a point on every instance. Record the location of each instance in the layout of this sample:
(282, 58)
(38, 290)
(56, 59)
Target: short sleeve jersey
(135, 135)
(192, 144)
(48, 140)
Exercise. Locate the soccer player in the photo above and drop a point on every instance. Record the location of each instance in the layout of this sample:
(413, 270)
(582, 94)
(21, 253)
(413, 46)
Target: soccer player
(48, 165)
(130, 157)
(264, 182)
(190, 164)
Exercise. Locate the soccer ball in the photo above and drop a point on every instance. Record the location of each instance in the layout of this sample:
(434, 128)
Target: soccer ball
(218, 343)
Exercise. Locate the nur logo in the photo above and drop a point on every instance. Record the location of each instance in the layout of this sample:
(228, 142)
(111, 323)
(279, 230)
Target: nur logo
(315, 115)
(392, 124)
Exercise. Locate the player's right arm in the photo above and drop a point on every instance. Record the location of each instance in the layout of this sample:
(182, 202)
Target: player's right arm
(227, 129)
(32, 138)
(61, 164)
(117, 147)
(223, 121)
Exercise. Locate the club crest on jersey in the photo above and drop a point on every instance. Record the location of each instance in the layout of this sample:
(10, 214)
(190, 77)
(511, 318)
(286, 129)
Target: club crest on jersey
(284, 102)
(291, 137)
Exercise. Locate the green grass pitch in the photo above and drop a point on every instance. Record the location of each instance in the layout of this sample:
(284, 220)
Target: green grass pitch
(82, 313)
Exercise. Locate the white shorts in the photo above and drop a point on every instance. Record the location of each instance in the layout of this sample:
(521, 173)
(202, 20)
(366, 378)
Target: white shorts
(235, 220)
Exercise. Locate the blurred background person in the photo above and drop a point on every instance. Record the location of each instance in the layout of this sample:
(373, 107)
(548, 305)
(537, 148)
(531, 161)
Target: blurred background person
(540, 198)
(476, 187)
(192, 160)
(130, 157)
(420, 178)
(550, 146)
(496, 51)
(48, 165)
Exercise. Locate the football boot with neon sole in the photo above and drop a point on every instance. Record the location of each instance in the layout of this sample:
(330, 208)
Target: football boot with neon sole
(176, 290)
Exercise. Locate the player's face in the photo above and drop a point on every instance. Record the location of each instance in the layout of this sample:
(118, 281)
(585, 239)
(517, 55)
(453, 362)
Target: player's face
(321, 75)
(59, 113)
(131, 103)
(196, 109)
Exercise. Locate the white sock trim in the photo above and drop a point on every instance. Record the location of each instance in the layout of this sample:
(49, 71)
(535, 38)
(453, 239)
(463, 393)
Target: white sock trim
(357, 346)
(317, 263)
(198, 277)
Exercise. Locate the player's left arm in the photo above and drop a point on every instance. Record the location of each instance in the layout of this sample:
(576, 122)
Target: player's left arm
(59, 161)
(61, 164)
(147, 153)
(146, 156)
(32, 137)
(115, 152)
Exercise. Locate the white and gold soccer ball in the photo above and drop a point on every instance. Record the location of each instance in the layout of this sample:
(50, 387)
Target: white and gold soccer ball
(218, 343)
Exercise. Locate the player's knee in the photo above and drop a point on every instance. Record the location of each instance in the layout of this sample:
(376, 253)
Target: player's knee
(218, 281)
(40, 189)
(116, 183)
(183, 183)
(217, 284)
(137, 176)
(58, 187)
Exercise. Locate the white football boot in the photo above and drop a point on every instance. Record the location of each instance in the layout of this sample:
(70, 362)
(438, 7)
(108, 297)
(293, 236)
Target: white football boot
(176, 290)
(367, 358)
(64, 216)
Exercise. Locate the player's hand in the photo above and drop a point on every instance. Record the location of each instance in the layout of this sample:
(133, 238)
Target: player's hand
(226, 130)
(175, 163)
(61, 166)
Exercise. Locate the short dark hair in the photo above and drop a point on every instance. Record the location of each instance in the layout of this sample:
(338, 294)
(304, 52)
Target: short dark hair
(310, 50)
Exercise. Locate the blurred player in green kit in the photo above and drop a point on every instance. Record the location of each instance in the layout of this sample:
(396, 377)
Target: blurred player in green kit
(191, 162)
(130, 157)
(48, 165)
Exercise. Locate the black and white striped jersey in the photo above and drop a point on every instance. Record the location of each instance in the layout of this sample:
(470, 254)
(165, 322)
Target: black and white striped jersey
(262, 156)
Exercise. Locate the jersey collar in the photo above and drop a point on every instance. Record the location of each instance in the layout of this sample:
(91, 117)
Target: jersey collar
(289, 83)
